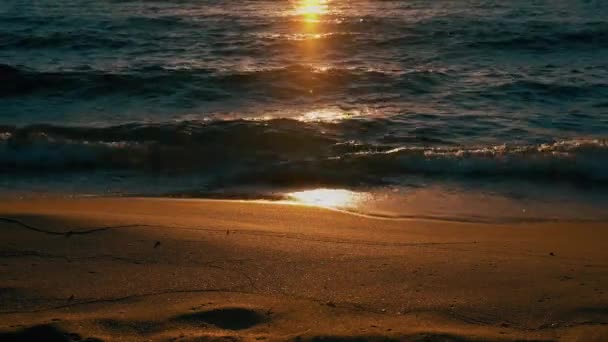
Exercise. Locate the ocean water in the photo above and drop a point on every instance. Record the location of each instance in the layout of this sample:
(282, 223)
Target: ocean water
(258, 99)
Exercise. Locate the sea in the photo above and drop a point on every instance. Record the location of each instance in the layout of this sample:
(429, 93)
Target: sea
(443, 109)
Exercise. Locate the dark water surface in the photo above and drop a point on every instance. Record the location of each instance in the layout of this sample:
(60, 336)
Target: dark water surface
(257, 98)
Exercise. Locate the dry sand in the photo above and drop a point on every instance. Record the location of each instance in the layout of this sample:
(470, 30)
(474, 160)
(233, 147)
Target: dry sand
(185, 270)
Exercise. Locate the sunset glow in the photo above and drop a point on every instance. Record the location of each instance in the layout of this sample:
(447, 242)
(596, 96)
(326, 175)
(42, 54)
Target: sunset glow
(303, 170)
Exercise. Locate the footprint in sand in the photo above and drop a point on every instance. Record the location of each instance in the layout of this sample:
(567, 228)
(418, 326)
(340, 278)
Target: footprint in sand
(224, 318)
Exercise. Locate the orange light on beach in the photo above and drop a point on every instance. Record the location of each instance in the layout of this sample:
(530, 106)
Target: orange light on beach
(331, 198)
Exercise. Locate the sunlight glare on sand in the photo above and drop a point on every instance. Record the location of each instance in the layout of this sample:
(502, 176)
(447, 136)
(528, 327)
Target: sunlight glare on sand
(330, 198)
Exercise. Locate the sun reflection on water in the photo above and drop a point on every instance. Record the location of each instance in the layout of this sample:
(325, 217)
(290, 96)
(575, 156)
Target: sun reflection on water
(330, 198)
(324, 115)
(311, 10)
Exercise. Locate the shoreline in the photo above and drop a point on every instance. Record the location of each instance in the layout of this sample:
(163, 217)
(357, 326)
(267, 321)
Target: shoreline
(157, 269)
(504, 204)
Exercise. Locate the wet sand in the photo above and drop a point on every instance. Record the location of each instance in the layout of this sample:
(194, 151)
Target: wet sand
(124, 269)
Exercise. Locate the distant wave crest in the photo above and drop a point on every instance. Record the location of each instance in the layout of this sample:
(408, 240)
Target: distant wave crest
(280, 82)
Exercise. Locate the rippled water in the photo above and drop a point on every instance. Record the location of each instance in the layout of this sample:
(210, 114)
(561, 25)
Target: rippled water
(223, 97)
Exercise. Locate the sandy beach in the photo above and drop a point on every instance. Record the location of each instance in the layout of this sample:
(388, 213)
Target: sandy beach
(303, 170)
(127, 269)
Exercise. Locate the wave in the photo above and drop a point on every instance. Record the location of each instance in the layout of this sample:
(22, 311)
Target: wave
(544, 36)
(24, 81)
(69, 40)
(286, 152)
(547, 89)
(293, 80)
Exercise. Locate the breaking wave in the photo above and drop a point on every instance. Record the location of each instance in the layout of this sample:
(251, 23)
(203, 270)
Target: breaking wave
(286, 152)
